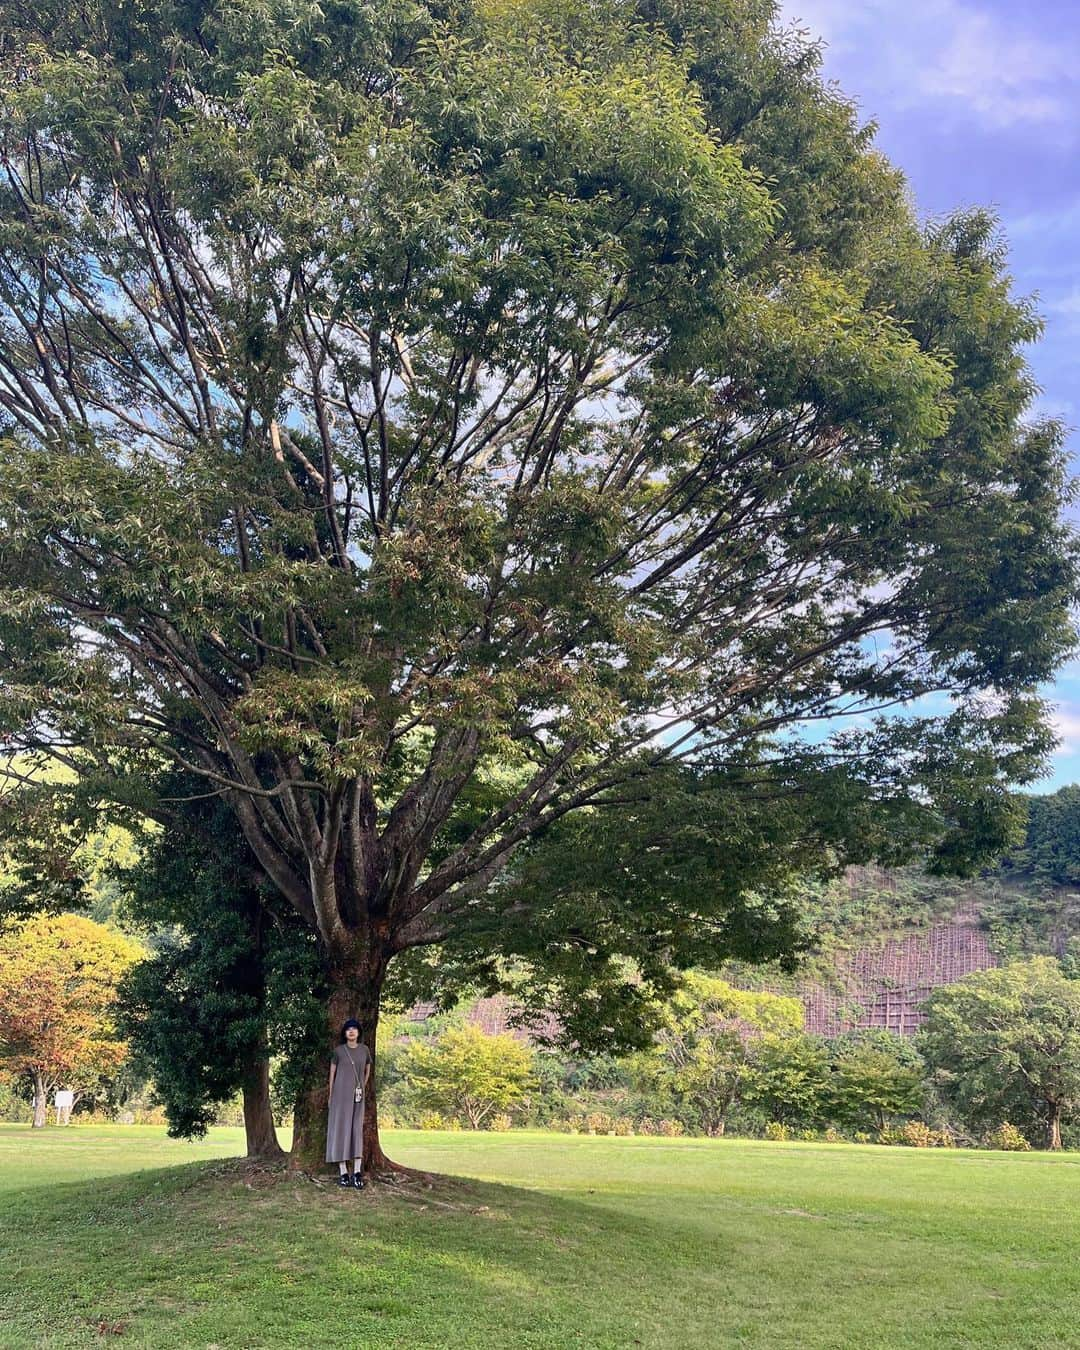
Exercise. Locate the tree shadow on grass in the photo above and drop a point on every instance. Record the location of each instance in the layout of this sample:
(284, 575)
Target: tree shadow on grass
(212, 1253)
(216, 1253)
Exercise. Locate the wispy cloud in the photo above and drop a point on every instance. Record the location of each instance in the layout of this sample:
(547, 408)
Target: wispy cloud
(1057, 224)
(1066, 724)
(984, 66)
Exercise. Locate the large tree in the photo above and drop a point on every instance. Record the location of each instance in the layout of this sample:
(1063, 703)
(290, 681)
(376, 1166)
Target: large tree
(876, 1076)
(423, 422)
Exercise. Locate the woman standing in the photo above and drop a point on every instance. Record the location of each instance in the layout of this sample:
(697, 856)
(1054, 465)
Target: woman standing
(350, 1070)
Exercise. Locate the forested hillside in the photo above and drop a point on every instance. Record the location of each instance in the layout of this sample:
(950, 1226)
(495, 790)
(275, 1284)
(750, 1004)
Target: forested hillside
(884, 939)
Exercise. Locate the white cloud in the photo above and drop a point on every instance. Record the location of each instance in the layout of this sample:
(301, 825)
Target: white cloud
(1066, 304)
(1066, 724)
(1003, 74)
(952, 52)
(1063, 313)
(1056, 224)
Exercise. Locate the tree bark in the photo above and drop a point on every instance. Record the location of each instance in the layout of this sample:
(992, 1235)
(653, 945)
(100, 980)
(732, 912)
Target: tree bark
(40, 1102)
(1053, 1126)
(262, 1140)
(354, 994)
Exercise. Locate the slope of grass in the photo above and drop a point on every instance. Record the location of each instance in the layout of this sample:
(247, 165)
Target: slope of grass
(537, 1241)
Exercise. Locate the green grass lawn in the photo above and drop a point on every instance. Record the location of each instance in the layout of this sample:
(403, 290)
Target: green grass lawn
(120, 1234)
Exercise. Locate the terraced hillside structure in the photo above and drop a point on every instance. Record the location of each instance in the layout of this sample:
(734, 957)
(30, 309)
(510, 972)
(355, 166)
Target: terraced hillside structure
(886, 939)
(885, 986)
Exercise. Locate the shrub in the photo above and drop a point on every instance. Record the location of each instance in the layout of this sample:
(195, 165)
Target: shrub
(916, 1134)
(1007, 1138)
(670, 1129)
(861, 1137)
(622, 1125)
(777, 1131)
(13, 1105)
(598, 1122)
(942, 1139)
(833, 1136)
(807, 1136)
(499, 1123)
(431, 1120)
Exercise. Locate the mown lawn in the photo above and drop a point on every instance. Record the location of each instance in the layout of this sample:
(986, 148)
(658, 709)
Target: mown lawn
(120, 1235)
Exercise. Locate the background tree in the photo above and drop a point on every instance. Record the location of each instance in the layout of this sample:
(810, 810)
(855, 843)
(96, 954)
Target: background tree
(397, 400)
(233, 977)
(704, 1043)
(58, 852)
(789, 1077)
(58, 980)
(468, 1073)
(1051, 845)
(875, 1076)
(1005, 1045)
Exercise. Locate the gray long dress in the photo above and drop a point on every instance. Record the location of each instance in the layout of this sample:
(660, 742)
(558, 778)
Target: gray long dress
(345, 1124)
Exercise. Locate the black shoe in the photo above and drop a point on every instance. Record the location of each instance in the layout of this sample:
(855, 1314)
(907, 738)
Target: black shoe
(344, 1181)
(358, 1181)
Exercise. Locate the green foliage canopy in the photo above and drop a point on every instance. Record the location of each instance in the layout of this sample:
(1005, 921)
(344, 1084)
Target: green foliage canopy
(1051, 847)
(233, 976)
(875, 1076)
(705, 1042)
(1005, 1044)
(790, 1077)
(396, 399)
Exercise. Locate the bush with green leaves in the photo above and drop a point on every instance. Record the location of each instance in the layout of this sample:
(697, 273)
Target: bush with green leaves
(469, 1074)
(875, 1077)
(789, 1077)
(16, 1107)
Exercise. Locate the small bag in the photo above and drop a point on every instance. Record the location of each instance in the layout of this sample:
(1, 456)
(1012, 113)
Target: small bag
(358, 1090)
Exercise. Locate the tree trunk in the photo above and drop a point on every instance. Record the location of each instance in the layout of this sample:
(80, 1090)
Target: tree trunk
(40, 1102)
(1053, 1126)
(355, 994)
(262, 1140)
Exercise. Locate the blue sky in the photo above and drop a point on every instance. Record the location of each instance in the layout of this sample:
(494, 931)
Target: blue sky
(978, 101)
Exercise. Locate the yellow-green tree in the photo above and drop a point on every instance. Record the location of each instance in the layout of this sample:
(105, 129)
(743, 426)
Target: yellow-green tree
(58, 979)
(703, 1045)
(468, 1073)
